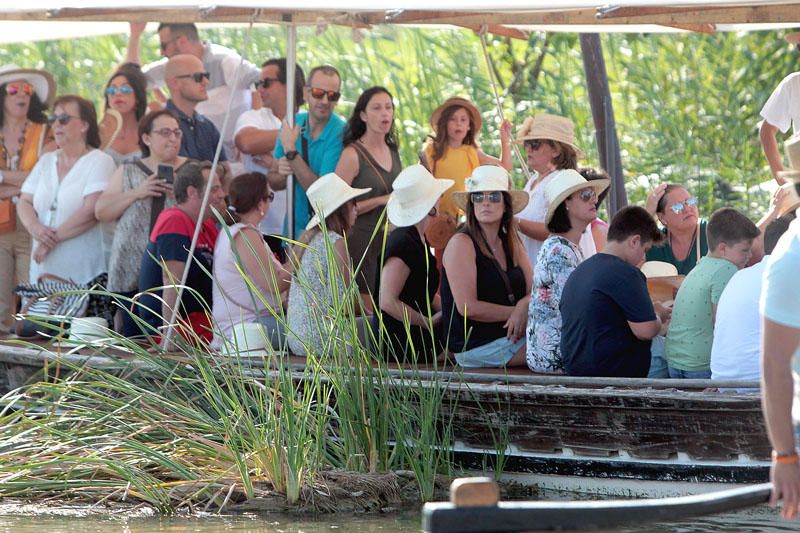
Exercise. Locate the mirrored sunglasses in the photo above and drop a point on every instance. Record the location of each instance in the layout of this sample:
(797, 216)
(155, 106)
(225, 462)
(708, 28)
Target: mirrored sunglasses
(167, 132)
(266, 83)
(681, 206)
(16, 88)
(62, 119)
(197, 77)
(494, 197)
(587, 194)
(124, 89)
(333, 96)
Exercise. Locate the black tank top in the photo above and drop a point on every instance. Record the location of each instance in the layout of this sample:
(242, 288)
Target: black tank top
(491, 288)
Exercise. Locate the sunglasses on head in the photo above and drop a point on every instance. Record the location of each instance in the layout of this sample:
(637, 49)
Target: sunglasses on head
(16, 88)
(167, 132)
(124, 89)
(587, 194)
(62, 119)
(680, 207)
(494, 197)
(266, 83)
(197, 77)
(333, 96)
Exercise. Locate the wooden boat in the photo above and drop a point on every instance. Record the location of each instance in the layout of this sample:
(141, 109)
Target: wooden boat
(616, 436)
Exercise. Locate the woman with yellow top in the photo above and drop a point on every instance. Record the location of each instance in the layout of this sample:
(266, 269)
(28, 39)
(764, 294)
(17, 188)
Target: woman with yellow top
(25, 94)
(453, 153)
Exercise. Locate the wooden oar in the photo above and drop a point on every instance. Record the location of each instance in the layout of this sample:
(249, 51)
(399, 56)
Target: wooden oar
(576, 515)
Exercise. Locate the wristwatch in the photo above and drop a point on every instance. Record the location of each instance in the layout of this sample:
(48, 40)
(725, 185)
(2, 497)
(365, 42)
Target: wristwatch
(291, 154)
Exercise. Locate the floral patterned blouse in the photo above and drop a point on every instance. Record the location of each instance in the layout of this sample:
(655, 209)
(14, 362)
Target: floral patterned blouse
(557, 258)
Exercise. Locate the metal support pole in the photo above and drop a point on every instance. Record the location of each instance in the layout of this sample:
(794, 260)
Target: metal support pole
(291, 55)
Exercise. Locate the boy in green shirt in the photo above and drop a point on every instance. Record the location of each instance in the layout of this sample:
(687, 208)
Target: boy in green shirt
(691, 331)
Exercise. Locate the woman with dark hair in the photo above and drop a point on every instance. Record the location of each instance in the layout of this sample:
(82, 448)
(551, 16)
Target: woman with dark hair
(125, 105)
(598, 226)
(369, 160)
(486, 276)
(323, 270)
(572, 205)
(135, 196)
(240, 249)
(58, 198)
(24, 136)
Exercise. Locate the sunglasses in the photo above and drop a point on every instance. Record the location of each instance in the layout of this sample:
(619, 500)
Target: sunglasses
(494, 197)
(269, 197)
(167, 133)
(197, 77)
(167, 43)
(124, 89)
(266, 83)
(680, 207)
(587, 194)
(333, 96)
(62, 119)
(17, 88)
(534, 144)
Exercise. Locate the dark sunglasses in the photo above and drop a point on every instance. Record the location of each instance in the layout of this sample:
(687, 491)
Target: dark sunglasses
(125, 89)
(266, 83)
(270, 197)
(197, 77)
(681, 206)
(333, 96)
(166, 132)
(17, 88)
(534, 144)
(62, 119)
(167, 43)
(587, 194)
(494, 197)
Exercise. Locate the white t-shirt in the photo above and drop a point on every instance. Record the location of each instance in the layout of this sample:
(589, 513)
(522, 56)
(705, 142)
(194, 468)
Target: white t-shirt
(264, 119)
(84, 256)
(736, 348)
(221, 63)
(782, 109)
(780, 297)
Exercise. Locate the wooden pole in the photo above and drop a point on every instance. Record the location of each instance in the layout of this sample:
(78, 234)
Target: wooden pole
(603, 114)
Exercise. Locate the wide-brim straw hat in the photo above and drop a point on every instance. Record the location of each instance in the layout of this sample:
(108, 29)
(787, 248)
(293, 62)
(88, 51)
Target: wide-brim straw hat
(328, 194)
(565, 182)
(461, 102)
(791, 201)
(414, 193)
(792, 148)
(793, 37)
(662, 272)
(548, 127)
(41, 81)
(487, 178)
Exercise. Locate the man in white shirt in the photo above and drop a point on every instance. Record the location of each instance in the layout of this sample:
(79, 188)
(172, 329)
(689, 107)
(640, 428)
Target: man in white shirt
(737, 329)
(257, 130)
(221, 63)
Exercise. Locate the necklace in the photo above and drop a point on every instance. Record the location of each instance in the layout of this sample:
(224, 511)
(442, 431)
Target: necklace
(11, 161)
(689, 248)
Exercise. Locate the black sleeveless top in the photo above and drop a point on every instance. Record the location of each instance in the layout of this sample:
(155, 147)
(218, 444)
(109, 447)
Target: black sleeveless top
(463, 336)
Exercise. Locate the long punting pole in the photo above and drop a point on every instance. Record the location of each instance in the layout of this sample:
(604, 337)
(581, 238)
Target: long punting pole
(603, 114)
(291, 55)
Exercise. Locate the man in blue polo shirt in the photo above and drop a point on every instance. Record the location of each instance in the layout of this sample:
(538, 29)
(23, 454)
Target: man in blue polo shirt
(315, 142)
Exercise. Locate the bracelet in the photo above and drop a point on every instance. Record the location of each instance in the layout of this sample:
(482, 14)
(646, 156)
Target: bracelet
(785, 458)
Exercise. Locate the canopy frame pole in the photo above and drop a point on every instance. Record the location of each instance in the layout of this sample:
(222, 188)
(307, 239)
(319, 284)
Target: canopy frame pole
(291, 62)
(165, 344)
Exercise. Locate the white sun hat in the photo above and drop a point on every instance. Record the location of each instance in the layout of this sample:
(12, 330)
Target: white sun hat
(565, 182)
(42, 82)
(488, 178)
(329, 193)
(415, 192)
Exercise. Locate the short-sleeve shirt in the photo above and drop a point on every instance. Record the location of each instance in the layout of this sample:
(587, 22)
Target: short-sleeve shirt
(264, 119)
(601, 296)
(170, 240)
(323, 156)
(691, 330)
(782, 109)
(417, 293)
(663, 252)
(200, 135)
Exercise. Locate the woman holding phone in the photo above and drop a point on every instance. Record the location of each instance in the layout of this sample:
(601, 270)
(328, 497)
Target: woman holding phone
(138, 191)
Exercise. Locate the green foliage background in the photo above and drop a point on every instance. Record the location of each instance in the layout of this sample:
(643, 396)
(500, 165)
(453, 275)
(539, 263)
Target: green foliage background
(686, 104)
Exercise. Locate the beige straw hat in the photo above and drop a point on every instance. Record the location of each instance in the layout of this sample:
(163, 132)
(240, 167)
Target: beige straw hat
(42, 82)
(487, 178)
(414, 193)
(327, 194)
(792, 148)
(793, 37)
(791, 201)
(565, 182)
(662, 280)
(462, 102)
(549, 127)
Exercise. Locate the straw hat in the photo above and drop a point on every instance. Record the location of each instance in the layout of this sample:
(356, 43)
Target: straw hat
(791, 201)
(793, 37)
(487, 178)
(42, 82)
(415, 192)
(327, 194)
(462, 102)
(565, 182)
(792, 148)
(662, 280)
(550, 127)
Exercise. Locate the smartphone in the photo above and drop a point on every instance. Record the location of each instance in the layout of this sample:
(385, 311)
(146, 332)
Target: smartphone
(165, 172)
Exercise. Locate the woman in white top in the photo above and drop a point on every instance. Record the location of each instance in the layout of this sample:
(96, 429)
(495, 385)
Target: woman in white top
(240, 249)
(549, 142)
(58, 198)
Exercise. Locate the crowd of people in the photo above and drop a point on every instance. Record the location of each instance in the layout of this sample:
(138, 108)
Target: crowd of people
(446, 258)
